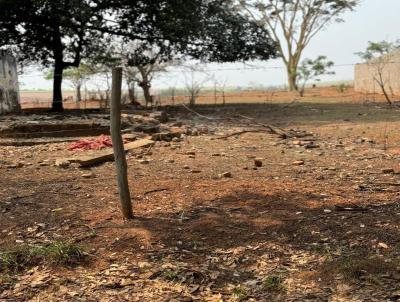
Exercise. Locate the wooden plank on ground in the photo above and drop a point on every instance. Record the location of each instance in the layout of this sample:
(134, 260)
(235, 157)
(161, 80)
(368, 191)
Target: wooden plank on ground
(90, 160)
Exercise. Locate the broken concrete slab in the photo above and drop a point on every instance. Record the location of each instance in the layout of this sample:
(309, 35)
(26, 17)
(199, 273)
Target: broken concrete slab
(37, 129)
(34, 142)
(76, 125)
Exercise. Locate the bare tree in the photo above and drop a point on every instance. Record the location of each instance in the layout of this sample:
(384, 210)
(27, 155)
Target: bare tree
(144, 77)
(293, 23)
(378, 56)
(195, 78)
(215, 91)
(219, 88)
(130, 75)
(172, 92)
(76, 77)
(141, 65)
(102, 81)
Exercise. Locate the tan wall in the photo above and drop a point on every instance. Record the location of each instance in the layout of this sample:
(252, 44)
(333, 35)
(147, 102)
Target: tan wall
(365, 83)
(9, 91)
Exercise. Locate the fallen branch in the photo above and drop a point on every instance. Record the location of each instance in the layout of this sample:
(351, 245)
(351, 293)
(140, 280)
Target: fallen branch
(154, 191)
(389, 184)
(351, 208)
(274, 130)
(239, 133)
(147, 152)
(198, 114)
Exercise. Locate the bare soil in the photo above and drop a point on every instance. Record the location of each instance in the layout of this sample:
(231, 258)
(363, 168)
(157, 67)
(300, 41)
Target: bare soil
(325, 230)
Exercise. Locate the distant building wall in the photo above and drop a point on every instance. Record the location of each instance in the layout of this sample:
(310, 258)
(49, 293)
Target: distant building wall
(9, 90)
(364, 81)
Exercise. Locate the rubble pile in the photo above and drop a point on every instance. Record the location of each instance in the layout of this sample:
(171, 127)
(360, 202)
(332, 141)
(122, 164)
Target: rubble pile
(44, 129)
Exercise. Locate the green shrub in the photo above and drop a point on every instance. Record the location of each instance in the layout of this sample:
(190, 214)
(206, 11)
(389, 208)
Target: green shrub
(22, 256)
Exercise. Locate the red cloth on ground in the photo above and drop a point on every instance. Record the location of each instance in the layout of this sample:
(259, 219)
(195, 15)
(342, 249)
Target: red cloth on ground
(103, 141)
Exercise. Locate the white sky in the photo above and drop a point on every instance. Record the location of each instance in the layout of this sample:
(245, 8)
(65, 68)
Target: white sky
(374, 20)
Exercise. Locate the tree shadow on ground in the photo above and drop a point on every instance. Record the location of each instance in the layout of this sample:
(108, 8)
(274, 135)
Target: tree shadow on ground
(281, 234)
(303, 113)
(245, 235)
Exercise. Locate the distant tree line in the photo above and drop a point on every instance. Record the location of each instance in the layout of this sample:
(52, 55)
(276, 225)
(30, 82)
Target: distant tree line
(61, 34)
(145, 36)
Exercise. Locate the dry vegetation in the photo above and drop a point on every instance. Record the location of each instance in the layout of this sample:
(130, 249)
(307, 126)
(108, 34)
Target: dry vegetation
(340, 93)
(314, 223)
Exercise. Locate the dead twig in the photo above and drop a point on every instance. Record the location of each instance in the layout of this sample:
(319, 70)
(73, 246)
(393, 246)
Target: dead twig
(351, 208)
(389, 184)
(274, 130)
(147, 152)
(200, 115)
(154, 191)
(239, 133)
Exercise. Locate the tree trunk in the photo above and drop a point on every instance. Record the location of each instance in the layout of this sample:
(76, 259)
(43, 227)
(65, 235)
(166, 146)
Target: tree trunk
(108, 86)
(78, 93)
(302, 89)
(145, 84)
(381, 84)
(59, 66)
(57, 105)
(292, 78)
(131, 92)
(386, 95)
(192, 100)
(146, 92)
(173, 96)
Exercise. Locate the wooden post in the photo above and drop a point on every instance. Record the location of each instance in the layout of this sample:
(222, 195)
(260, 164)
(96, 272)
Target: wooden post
(118, 145)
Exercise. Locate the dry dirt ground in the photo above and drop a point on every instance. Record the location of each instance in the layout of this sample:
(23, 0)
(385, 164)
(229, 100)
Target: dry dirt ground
(318, 224)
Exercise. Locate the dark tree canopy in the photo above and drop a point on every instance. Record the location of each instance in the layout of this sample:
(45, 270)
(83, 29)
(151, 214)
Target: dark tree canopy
(61, 33)
(39, 27)
(52, 33)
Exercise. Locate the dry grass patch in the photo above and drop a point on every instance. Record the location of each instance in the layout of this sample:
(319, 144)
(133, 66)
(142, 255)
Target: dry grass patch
(275, 284)
(361, 268)
(18, 257)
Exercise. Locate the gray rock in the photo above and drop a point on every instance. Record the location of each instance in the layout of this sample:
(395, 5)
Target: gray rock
(225, 175)
(258, 162)
(62, 163)
(298, 163)
(88, 175)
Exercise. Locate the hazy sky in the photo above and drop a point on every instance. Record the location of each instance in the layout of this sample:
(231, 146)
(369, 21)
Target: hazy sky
(374, 20)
